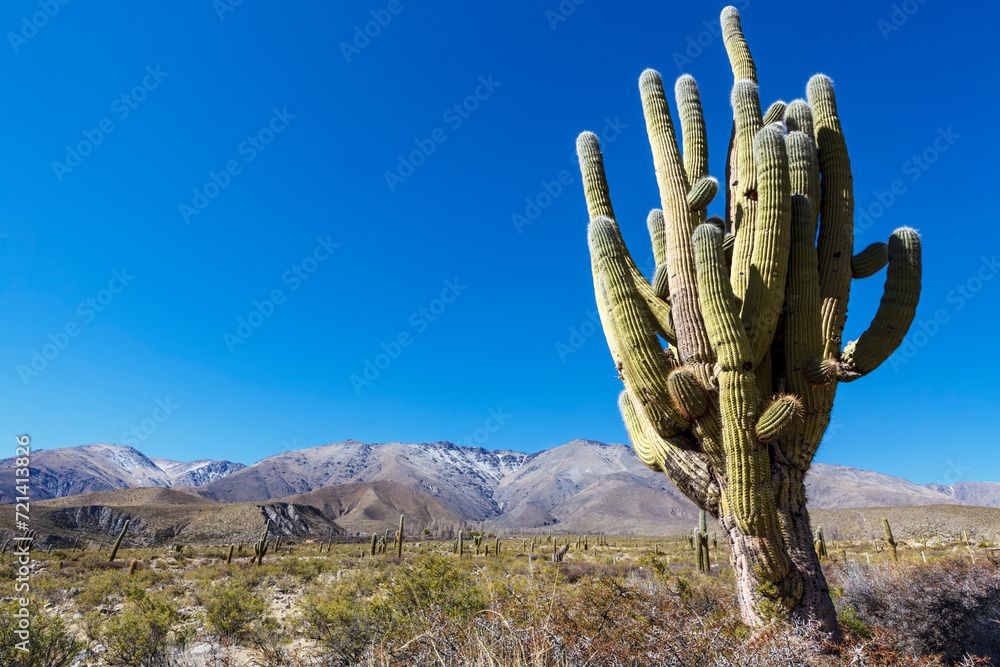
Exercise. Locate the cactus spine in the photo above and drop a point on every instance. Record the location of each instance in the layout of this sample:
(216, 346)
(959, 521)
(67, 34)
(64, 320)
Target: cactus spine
(118, 542)
(752, 309)
(889, 539)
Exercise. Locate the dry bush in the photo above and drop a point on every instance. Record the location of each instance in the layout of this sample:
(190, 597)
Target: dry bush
(950, 608)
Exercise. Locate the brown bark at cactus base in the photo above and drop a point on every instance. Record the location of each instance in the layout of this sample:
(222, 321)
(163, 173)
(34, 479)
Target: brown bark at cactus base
(804, 583)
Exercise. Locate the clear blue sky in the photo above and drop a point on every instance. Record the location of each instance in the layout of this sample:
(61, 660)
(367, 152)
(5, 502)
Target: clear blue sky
(299, 131)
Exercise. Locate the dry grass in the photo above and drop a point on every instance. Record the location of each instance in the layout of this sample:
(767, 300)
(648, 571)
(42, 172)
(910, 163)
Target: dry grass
(630, 602)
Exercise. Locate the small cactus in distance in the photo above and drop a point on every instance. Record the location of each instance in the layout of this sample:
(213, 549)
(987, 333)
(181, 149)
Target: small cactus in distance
(399, 538)
(131, 566)
(820, 543)
(701, 542)
(118, 542)
(889, 539)
(229, 557)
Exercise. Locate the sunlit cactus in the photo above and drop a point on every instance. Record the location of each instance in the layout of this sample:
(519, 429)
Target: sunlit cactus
(732, 356)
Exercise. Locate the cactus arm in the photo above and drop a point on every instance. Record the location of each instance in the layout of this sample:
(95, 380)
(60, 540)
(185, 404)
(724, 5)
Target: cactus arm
(747, 122)
(661, 282)
(869, 261)
(701, 195)
(687, 394)
(643, 365)
(599, 204)
(692, 341)
(739, 162)
(736, 45)
(749, 496)
(895, 312)
(765, 283)
(775, 113)
(798, 117)
(657, 236)
(687, 469)
(835, 244)
(779, 417)
(693, 135)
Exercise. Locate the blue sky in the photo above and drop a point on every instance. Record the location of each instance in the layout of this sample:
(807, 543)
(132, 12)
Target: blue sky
(199, 224)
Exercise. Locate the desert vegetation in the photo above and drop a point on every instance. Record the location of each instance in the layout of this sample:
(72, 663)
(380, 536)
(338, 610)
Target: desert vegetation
(541, 599)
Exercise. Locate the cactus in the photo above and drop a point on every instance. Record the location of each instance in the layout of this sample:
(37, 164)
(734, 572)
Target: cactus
(374, 540)
(399, 538)
(118, 542)
(131, 567)
(461, 545)
(496, 545)
(820, 543)
(229, 557)
(734, 408)
(701, 544)
(889, 539)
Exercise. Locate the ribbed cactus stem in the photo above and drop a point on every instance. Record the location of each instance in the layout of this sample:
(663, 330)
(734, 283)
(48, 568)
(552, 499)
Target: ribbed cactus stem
(118, 542)
(399, 540)
(374, 543)
(229, 556)
(889, 539)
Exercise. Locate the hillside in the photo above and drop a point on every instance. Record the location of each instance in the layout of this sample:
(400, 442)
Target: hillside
(70, 471)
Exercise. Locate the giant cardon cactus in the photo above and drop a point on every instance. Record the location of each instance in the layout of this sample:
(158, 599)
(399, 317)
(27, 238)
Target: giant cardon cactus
(732, 354)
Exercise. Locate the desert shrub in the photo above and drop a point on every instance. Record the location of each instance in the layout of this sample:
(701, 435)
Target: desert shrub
(232, 607)
(437, 582)
(143, 633)
(345, 627)
(950, 608)
(49, 645)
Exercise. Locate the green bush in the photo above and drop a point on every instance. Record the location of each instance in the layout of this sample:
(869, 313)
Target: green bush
(49, 645)
(231, 607)
(140, 634)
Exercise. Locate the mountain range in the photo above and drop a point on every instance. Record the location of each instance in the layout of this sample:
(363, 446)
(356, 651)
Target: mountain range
(581, 486)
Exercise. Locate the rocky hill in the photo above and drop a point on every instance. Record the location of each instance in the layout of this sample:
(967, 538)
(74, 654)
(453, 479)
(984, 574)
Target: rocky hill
(70, 471)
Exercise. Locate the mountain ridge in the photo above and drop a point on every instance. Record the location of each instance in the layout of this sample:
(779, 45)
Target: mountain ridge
(582, 485)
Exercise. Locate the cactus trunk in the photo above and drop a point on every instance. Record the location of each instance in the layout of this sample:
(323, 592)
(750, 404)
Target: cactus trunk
(118, 542)
(399, 538)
